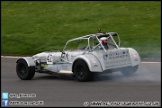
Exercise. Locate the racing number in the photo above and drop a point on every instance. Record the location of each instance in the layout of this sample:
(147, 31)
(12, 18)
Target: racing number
(49, 59)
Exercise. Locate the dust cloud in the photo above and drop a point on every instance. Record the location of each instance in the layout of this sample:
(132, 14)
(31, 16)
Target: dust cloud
(147, 72)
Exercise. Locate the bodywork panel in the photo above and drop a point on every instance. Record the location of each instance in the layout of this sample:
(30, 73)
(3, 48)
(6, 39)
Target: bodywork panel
(114, 58)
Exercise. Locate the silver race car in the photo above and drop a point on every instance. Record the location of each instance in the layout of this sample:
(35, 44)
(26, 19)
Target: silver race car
(83, 57)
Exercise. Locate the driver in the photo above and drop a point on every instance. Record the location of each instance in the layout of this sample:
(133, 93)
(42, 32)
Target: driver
(104, 42)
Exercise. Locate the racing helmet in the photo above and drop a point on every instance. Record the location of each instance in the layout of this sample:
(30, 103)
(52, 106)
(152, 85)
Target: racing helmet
(104, 42)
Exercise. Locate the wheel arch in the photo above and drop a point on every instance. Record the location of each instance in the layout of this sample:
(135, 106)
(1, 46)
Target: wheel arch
(92, 62)
(30, 62)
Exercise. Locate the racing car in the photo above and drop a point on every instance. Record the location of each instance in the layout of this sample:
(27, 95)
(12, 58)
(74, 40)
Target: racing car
(83, 57)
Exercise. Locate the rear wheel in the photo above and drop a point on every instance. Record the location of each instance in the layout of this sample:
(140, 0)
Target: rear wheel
(23, 71)
(129, 70)
(81, 71)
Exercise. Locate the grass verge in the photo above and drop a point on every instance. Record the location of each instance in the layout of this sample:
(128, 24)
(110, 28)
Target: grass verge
(30, 27)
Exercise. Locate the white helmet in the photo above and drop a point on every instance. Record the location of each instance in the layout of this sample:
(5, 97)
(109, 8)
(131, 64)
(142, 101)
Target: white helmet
(104, 42)
(103, 39)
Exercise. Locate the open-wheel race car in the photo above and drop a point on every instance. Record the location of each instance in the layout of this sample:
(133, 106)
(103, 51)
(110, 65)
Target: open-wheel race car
(83, 57)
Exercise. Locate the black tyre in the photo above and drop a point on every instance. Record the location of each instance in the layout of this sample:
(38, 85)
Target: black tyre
(81, 71)
(23, 71)
(129, 70)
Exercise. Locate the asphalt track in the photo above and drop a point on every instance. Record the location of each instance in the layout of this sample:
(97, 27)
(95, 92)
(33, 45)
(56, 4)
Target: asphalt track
(64, 90)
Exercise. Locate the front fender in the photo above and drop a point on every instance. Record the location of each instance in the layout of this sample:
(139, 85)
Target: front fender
(29, 61)
(93, 63)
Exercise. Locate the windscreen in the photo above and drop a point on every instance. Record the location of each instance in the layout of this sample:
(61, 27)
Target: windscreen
(77, 45)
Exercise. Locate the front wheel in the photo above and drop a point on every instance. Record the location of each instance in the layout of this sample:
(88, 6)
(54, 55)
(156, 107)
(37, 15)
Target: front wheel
(129, 70)
(81, 71)
(23, 71)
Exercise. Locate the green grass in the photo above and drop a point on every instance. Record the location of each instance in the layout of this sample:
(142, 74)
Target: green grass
(30, 27)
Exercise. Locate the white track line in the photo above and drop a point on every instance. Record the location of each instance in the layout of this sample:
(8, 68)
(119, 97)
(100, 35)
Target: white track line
(10, 56)
(150, 62)
(26, 56)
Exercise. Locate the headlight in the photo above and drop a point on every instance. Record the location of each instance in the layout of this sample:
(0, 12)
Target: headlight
(38, 61)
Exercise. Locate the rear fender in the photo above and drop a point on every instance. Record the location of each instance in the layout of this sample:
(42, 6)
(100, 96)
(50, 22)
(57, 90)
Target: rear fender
(93, 63)
(134, 57)
(29, 61)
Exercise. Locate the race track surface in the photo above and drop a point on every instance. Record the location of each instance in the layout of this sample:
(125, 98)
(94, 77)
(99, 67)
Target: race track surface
(64, 90)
